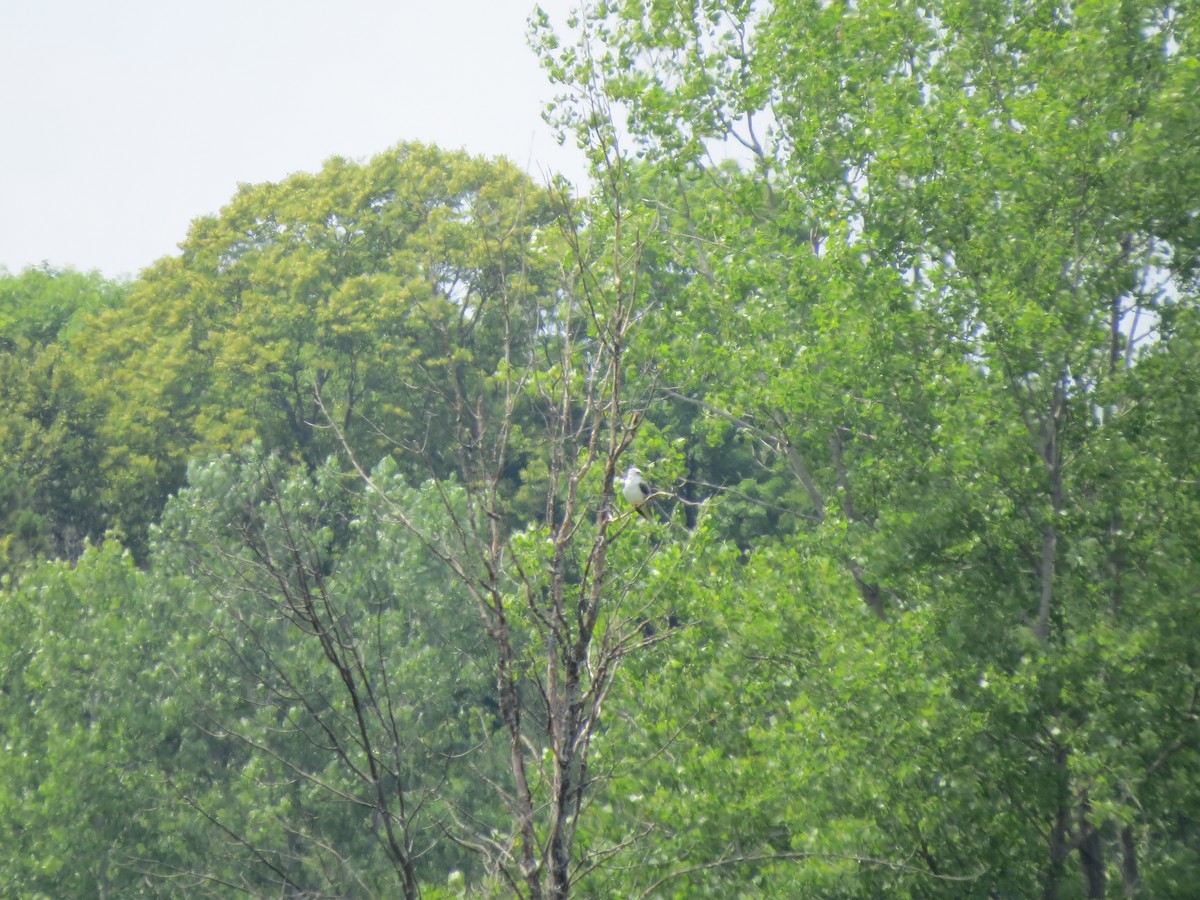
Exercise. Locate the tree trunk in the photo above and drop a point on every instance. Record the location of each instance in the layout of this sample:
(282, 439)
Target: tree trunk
(1052, 459)
(1091, 852)
(1058, 848)
(1130, 876)
(869, 591)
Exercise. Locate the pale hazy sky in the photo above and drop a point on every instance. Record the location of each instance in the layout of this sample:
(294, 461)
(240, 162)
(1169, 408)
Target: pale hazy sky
(121, 121)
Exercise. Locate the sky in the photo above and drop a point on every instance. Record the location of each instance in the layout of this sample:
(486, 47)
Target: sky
(122, 121)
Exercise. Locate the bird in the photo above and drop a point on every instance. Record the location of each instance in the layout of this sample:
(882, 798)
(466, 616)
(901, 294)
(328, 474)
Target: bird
(637, 492)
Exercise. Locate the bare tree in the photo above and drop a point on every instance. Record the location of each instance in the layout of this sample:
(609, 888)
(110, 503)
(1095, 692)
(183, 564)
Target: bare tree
(559, 617)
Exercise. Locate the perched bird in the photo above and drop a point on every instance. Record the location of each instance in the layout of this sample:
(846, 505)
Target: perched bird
(637, 492)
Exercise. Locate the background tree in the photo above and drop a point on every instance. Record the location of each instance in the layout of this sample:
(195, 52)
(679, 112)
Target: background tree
(40, 306)
(335, 282)
(343, 690)
(50, 493)
(89, 719)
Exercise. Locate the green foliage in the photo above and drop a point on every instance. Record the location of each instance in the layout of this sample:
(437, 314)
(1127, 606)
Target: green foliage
(87, 711)
(50, 492)
(922, 304)
(915, 368)
(189, 719)
(41, 306)
(332, 298)
(348, 685)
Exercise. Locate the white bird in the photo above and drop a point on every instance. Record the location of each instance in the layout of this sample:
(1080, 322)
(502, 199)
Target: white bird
(637, 492)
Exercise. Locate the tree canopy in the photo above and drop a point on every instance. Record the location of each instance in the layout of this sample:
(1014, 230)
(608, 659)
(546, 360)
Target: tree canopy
(315, 566)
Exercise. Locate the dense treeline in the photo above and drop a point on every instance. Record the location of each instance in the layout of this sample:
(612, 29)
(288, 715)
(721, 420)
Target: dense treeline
(317, 577)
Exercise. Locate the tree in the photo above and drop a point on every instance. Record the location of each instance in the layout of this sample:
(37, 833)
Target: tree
(924, 292)
(470, 328)
(49, 427)
(336, 282)
(40, 306)
(559, 596)
(89, 717)
(343, 689)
